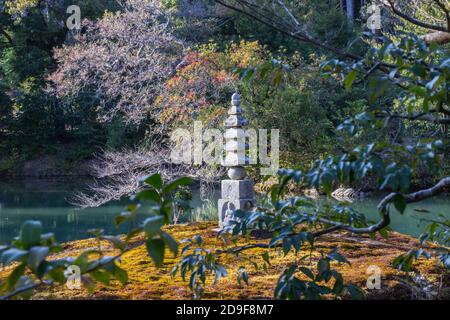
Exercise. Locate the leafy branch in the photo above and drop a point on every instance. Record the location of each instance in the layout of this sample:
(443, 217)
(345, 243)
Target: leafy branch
(30, 253)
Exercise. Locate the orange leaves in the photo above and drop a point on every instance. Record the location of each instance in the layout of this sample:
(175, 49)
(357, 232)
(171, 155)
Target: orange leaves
(203, 82)
(247, 53)
(221, 77)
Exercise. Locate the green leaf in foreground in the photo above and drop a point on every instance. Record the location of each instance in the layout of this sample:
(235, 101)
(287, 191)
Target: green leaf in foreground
(154, 180)
(399, 203)
(152, 225)
(349, 79)
(30, 233)
(155, 249)
(171, 243)
(12, 255)
(37, 255)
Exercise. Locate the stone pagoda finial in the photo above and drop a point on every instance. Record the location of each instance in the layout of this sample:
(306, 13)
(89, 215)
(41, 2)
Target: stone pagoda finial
(237, 193)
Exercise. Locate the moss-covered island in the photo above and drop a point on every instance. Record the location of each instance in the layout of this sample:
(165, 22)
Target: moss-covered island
(148, 282)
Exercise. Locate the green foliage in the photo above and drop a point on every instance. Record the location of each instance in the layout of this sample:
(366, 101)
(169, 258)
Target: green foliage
(289, 222)
(405, 79)
(437, 232)
(291, 287)
(33, 120)
(418, 75)
(303, 122)
(29, 252)
(183, 193)
(326, 22)
(288, 94)
(199, 262)
(423, 71)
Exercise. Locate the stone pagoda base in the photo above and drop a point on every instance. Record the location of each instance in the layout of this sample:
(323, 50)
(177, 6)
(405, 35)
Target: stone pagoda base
(236, 195)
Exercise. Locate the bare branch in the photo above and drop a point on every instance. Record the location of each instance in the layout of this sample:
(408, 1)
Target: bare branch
(384, 222)
(7, 36)
(437, 38)
(336, 226)
(120, 61)
(422, 116)
(413, 20)
(118, 173)
(419, 195)
(446, 12)
(290, 31)
(266, 246)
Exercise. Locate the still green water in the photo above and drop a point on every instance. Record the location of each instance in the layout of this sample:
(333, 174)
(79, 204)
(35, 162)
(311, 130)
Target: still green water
(49, 202)
(46, 200)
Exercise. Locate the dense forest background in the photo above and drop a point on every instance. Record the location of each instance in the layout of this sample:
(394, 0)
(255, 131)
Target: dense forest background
(357, 104)
(115, 88)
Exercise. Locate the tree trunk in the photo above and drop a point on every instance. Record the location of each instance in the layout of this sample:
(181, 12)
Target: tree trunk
(350, 11)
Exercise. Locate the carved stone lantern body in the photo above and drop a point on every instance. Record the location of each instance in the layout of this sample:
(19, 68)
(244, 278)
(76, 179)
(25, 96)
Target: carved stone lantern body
(237, 192)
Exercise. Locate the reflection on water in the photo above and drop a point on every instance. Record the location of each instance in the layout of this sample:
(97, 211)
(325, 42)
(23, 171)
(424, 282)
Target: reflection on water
(45, 200)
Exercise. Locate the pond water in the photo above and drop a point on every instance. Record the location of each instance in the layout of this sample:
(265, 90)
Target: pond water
(49, 202)
(46, 200)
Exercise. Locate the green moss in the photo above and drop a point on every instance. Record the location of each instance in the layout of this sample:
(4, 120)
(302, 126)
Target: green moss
(148, 282)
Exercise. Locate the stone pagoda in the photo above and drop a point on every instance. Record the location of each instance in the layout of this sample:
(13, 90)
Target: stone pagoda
(237, 192)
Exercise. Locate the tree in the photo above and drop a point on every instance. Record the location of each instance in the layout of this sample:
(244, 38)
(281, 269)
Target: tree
(350, 10)
(421, 72)
(29, 30)
(117, 65)
(29, 253)
(417, 69)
